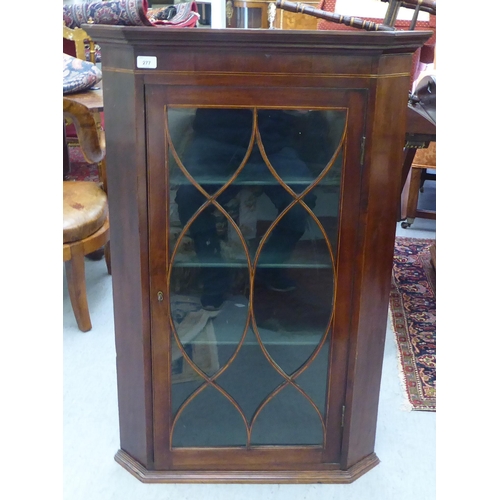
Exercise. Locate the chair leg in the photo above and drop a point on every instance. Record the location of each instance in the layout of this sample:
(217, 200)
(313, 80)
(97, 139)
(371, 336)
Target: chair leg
(75, 274)
(107, 256)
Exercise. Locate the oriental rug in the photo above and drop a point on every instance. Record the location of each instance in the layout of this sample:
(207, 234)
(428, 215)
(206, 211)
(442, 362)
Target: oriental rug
(413, 312)
(79, 169)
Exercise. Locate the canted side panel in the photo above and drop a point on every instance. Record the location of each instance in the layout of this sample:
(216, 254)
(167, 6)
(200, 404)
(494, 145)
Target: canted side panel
(380, 198)
(128, 223)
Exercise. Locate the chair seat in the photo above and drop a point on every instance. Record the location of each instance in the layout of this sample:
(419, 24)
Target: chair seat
(85, 209)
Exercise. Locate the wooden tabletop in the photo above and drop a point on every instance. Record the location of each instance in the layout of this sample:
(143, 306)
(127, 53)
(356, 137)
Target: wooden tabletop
(91, 99)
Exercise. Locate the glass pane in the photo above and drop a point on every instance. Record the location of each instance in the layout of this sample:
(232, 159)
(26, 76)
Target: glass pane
(293, 294)
(209, 420)
(314, 380)
(253, 220)
(288, 419)
(184, 382)
(210, 144)
(319, 135)
(250, 378)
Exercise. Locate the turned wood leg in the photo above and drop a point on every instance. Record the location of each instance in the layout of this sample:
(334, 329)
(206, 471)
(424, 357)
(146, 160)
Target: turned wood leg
(75, 275)
(107, 256)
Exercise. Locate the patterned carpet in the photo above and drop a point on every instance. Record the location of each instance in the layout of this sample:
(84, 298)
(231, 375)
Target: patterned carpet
(413, 311)
(80, 170)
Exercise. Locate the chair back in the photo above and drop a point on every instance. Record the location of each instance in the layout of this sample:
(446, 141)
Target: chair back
(75, 41)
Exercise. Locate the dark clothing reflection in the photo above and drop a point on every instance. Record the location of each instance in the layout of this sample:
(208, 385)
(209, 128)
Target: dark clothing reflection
(219, 144)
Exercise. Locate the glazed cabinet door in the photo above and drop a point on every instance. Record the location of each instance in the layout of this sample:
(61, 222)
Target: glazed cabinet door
(253, 214)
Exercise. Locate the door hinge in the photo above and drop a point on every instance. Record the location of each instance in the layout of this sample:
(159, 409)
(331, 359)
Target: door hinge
(362, 160)
(343, 416)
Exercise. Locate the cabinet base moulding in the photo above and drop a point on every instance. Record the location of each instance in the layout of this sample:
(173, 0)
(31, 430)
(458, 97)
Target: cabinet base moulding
(334, 476)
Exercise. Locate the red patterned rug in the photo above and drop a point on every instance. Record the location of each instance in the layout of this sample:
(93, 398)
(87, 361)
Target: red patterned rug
(413, 311)
(79, 169)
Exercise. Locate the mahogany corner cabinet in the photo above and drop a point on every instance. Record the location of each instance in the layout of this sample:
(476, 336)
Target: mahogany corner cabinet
(253, 181)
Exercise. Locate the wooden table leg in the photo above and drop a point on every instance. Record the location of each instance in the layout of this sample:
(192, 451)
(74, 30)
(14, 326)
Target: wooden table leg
(412, 198)
(408, 161)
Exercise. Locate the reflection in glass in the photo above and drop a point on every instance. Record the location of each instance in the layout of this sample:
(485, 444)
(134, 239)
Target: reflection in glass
(253, 221)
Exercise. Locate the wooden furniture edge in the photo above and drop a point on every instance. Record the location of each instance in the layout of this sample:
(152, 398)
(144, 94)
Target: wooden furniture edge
(318, 41)
(90, 243)
(249, 476)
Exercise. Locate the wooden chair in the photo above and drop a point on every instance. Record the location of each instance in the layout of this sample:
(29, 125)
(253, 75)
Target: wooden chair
(74, 41)
(423, 168)
(85, 211)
